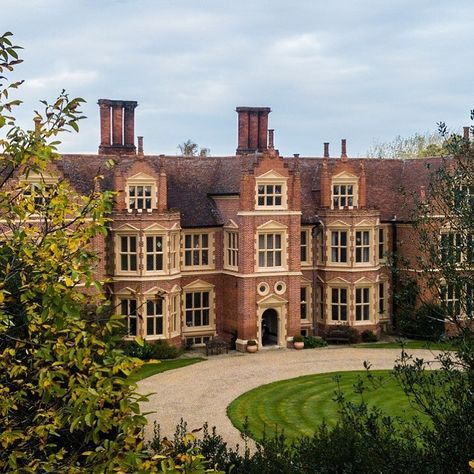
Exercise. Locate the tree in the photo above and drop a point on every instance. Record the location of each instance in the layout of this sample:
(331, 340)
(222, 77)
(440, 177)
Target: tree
(415, 146)
(65, 402)
(189, 148)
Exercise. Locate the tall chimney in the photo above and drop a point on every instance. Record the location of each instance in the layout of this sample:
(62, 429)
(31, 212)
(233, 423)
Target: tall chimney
(117, 126)
(252, 129)
(343, 149)
(326, 149)
(467, 132)
(271, 138)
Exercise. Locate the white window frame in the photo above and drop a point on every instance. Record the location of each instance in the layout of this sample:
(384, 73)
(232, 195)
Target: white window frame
(451, 297)
(194, 308)
(174, 313)
(141, 179)
(307, 246)
(231, 249)
(154, 253)
(365, 248)
(271, 178)
(339, 304)
(307, 302)
(174, 251)
(362, 307)
(129, 254)
(382, 292)
(343, 198)
(339, 247)
(154, 317)
(381, 242)
(29, 186)
(269, 253)
(129, 316)
(197, 249)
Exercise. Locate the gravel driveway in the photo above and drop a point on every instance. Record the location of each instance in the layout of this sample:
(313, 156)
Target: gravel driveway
(202, 392)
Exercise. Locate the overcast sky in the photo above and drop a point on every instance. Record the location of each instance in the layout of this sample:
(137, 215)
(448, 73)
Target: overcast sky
(362, 70)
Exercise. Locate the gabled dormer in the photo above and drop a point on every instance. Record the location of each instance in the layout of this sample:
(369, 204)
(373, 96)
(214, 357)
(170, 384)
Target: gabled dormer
(140, 188)
(343, 182)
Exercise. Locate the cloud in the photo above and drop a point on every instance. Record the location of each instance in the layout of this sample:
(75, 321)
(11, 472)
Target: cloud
(71, 78)
(361, 70)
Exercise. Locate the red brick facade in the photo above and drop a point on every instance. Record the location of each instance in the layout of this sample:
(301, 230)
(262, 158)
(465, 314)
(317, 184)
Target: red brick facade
(200, 246)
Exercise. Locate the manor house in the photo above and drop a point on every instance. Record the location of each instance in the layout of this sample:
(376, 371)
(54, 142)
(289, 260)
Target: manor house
(250, 246)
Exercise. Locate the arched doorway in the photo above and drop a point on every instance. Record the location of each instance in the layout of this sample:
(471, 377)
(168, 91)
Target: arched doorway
(269, 327)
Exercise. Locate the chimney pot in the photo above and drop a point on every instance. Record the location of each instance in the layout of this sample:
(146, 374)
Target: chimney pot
(467, 133)
(140, 145)
(271, 137)
(343, 148)
(37, 121)
(296, 155)
(326, 149)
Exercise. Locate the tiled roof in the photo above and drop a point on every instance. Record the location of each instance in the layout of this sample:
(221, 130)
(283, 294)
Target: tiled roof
(191, 181)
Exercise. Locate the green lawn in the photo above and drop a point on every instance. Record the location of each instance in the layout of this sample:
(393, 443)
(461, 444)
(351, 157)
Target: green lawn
(442, 346)
(152, 368)
(298, 405)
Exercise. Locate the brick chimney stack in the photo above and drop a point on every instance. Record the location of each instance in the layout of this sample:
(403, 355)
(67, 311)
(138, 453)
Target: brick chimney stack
(343, 149)
(326, 149)
(117, 126)
(466, 132)
(253, 129)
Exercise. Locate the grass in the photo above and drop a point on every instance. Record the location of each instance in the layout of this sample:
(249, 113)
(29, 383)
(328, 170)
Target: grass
(298, 405)
(153, 368)
(441, 346)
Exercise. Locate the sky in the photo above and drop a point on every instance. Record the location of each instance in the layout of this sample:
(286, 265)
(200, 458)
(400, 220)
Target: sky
(365, 70)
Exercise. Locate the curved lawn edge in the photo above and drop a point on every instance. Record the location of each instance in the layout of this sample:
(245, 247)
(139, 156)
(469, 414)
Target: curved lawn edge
(152, 368)
(298, 399)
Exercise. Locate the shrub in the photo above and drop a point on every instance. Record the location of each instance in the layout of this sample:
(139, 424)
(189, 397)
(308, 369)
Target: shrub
(350, 331)
(368, 336)
(426, 322)
(311, 342)
(158, 350)
(298, 339)
(251, 342)
(164, 350)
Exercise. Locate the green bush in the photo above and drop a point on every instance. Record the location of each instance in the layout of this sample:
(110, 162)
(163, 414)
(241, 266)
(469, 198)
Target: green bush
(158, 350)
(426, 322)
(311, 342)
(351, 333)
(368, 336)
(298, 339)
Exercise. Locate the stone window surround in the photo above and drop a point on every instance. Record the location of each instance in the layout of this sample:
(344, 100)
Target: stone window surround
(339, 246)
(141, 179)
(364, 303)
(210, 248)
(141, 310)
(308, 245)
(339, 303)
(155, 316)
(141, 239)
(309, 306)
(346, 179)
(363, 245)
(231, 248)
(272, 178)
(199, 286)
(272, 227)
